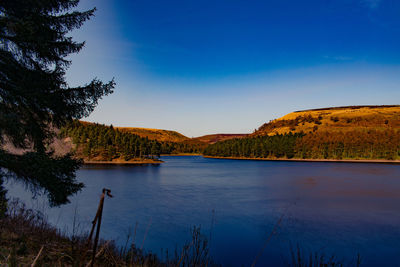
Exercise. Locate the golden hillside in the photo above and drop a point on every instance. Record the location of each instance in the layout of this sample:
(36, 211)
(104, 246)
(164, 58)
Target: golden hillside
(155, 134)
(335, 119)
(152, 134)
(213, 138)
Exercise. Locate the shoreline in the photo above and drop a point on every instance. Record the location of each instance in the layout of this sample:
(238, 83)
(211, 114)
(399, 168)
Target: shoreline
(181, 154)
(121, 162)
(380, 161)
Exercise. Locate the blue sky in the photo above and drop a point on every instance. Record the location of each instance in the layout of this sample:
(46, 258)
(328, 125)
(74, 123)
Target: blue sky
(227, 66)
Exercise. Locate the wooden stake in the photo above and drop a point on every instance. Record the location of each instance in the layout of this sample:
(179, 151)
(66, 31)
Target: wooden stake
(37, 257)
(97, 220)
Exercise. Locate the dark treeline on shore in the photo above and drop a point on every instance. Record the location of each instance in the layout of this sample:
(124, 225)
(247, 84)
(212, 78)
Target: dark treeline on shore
(277, 146)
(371, 144)
(100, 142)
(185, 147)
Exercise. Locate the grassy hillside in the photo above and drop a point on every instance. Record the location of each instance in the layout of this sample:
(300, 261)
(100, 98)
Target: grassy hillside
(155, 134)
(213, 138)
(151, 134)
(339, 119)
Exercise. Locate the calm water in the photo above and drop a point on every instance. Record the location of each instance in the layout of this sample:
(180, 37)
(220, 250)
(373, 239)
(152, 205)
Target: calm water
(332, 208)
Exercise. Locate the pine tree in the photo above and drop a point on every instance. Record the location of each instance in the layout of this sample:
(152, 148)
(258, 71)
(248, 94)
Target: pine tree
(34, 95)
(3, 200)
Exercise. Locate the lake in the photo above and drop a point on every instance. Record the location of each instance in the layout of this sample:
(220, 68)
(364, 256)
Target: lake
(339, 209)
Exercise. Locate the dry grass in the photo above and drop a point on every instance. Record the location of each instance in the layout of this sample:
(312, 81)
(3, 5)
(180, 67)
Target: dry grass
(152, 134)
(26, 238)
(155, 134)
(335, 119)
(213, 138)
(24, 233)
(300, 259)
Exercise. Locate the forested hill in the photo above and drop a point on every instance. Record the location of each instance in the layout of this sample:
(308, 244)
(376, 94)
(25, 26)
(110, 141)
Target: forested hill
(151, 134)
(357, 132)
(155, 134)
(174, 136)
(98, 142)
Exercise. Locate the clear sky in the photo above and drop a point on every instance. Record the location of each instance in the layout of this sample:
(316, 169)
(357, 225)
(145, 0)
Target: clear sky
(227, 66)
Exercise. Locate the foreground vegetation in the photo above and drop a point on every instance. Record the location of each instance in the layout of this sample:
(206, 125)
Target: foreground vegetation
(27, 239)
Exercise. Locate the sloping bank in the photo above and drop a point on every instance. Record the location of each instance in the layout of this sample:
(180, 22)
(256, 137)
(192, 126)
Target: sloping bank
(382, 161)
(122, 162)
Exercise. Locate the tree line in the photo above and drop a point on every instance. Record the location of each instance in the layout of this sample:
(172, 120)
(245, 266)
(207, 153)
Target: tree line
(356, 144)
(100, 142)
(97, 141)
(277, 146)
(185, 147)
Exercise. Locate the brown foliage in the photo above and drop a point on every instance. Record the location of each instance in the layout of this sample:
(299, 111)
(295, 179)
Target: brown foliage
(367, 144)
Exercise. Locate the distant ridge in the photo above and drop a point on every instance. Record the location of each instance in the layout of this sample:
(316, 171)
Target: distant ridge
(174, 136)
(152, 134)
(156, 134)
(213, 138)
(349, 107)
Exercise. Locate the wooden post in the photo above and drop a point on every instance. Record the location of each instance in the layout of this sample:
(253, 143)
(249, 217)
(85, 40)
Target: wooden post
(97, 220)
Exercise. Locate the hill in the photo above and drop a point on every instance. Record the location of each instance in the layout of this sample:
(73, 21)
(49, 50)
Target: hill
(97, 142)
(354, 132)
(155, 134)
(214, 138)
(173, 136)
(334, 119)
(151, 134)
